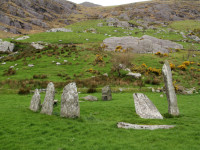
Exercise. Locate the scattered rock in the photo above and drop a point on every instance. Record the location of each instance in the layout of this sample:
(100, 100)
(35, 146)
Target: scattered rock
(69, 102)
(161, 95)
(170, 91)
(106, 93)
(59, 30)
(6, 46)
(90, 98)
(23, 38)
(30, 65)
(134, 75)
(35, 101)
(100, 24)
(145, 108)
(105, 74)
(47, 106)
(143, 127)
(37, 45)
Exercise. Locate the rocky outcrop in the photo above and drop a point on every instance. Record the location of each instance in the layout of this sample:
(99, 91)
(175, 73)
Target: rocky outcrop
(145, 44)
(18, 15)
(161, 10)
(6, 46)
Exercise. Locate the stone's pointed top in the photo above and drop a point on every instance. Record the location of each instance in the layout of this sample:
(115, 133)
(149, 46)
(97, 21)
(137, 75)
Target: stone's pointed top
(145, 108)
(170, 91)
(47, 106)
(35, 101)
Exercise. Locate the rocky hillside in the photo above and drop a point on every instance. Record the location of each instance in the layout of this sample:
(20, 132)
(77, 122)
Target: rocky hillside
(30, 16)
(88, 4)
(17, 16)
(159, 11)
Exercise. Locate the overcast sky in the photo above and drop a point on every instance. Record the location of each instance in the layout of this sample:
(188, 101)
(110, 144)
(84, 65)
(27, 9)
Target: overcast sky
(108, 2)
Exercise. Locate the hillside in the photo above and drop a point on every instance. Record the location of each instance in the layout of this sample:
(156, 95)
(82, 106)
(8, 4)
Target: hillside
(29, 15)
(36, 16)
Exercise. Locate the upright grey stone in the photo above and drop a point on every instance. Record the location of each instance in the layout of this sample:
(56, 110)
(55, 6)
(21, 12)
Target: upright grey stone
(47, 106)
(69, 102)
(35, 101)
(145, 108)
(106, 93)
(170, 92)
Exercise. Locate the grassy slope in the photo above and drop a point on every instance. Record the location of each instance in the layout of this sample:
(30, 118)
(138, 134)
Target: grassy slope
(96, 129)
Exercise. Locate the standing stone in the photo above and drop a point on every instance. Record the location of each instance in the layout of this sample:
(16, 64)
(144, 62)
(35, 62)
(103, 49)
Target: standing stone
(35, 101)
(106, 93)
(170, 92)
(47, 106)
(69, 102)
(145, 108)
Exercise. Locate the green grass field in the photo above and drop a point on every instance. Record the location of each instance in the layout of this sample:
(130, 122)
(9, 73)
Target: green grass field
(96, 128)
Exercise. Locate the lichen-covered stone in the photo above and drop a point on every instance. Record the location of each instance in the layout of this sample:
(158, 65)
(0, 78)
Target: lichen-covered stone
(170, 91)
(145, 108)
(69, 102)
(47, 106)
(35, 101)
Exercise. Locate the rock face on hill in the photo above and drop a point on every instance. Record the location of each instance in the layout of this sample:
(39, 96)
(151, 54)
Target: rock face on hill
(161, 10)
(145, 44)
(88, 4)
(17, 15)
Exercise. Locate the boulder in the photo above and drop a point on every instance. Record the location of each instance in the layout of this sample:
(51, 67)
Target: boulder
(35, 101)
(143, 127)
(145, 108)
(69, 102)
(47, 106)
(90, 98)
(106, 93)
(145, 44)
(170, 91)
(6, 46)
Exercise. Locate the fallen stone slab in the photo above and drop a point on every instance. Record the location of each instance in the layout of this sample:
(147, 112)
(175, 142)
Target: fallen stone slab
(145, 108)
(143, 127)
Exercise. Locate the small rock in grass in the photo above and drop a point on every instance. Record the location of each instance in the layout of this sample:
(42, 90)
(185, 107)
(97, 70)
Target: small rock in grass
(30, 65)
